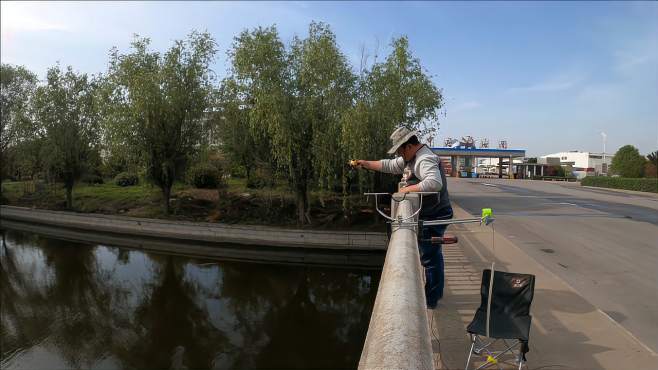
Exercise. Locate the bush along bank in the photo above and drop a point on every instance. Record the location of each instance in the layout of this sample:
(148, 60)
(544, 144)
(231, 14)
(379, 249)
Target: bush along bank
(637, 184)
(236, 204)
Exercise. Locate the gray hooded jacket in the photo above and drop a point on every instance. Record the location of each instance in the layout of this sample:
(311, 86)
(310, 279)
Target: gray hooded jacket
(428, 174)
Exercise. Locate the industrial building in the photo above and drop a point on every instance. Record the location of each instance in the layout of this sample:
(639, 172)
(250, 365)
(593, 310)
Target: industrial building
(582, 163)
(463, 158)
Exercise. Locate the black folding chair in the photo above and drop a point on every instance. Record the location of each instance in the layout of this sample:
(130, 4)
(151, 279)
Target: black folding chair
(509, 319)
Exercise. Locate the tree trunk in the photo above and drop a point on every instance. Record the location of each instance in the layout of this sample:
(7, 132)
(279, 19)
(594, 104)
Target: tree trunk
(308, 207)
(301, 207)
(69, 196)
(166, 193)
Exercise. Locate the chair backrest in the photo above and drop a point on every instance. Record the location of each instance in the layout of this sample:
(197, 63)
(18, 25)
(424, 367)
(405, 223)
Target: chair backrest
(512, 293)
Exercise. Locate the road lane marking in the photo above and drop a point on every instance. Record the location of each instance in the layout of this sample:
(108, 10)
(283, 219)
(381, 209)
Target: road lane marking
(487, 184)
(627, 332)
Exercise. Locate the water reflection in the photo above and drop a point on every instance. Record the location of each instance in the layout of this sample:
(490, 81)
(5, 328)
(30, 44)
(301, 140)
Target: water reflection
(68, 305)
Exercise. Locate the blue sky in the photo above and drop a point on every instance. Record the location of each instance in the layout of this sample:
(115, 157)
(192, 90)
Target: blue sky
(547, 77)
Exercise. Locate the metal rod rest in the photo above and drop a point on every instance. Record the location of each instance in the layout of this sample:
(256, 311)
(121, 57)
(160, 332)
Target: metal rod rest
(403, 221)
(452, 222)
(444, 222)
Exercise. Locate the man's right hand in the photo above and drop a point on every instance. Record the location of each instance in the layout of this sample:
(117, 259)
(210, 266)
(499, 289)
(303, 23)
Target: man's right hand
(368, 165)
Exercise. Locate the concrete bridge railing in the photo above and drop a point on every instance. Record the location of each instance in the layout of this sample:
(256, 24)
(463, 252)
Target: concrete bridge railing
(398, 335)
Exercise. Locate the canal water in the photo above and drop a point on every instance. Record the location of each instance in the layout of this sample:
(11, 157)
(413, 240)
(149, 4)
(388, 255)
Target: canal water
(70, 305)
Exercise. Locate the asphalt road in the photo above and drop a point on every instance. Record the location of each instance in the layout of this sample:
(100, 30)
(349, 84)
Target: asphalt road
(603, 243)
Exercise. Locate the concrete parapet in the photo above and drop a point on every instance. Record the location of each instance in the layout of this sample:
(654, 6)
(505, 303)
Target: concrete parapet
(398, 335)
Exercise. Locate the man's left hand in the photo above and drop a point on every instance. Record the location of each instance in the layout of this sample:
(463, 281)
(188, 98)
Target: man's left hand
(409, 189)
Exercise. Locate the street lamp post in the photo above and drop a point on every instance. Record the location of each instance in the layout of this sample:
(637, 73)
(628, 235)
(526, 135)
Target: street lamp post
(603, 163)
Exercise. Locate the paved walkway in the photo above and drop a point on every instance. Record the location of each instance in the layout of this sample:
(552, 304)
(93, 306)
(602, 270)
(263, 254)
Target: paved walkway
(567, 331)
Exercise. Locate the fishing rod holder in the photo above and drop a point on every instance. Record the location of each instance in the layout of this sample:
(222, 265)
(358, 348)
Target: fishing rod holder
(486, 218)
(399, 220)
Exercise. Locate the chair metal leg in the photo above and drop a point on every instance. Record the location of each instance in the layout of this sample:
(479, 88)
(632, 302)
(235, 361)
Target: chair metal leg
(521, 357)
(470, 353)
(494, 356)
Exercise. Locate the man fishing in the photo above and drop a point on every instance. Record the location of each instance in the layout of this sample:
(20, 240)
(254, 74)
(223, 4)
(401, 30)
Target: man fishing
(424, 173)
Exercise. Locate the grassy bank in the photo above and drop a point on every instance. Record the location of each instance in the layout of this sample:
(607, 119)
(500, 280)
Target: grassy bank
(239, 204)
(640, 184)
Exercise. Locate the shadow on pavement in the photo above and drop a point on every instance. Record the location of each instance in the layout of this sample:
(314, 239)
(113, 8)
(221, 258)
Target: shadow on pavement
(554, 344)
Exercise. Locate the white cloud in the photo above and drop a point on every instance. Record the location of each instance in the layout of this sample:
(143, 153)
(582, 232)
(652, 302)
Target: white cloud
(28, 17)
(557, 84)
(544, 87)
(638, 56)
(468, 105)
(567, 79)
(626, 60)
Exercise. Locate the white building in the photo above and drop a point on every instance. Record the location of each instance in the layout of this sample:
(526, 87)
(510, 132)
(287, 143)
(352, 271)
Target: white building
(583, 163)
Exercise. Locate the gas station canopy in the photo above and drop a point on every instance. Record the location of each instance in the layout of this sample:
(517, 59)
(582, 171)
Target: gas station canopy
(479, 152)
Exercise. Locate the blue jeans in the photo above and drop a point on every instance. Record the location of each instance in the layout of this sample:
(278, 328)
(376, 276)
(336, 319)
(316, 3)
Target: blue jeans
(431, 257)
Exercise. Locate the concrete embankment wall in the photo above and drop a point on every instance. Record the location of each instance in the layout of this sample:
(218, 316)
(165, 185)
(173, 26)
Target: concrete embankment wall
(234, 242)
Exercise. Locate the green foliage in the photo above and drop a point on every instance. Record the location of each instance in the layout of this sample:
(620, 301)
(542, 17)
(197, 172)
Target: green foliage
(113, 165)
(651, 168)
(17, 86)
(325, 85)
(411, 97)
(300, 109)
(159, 104)
(653, 158)
(628, 162)
(66, 119)
(637, 184)
(244, 146)
(205, 176)
(103, 198)
(92, 179)
(260, 179)
(126, 179)
(23, 160)
(295, 100)
(287, 114)
(559, 171)
(389, 94)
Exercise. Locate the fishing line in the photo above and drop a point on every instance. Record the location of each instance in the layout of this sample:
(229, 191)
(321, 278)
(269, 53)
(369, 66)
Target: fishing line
(491, 278)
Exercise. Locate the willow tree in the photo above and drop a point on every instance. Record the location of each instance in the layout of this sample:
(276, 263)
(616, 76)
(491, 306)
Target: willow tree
(231, 118)
(403, 89)
(17, 86)
(392, 93)
(66, 119)
(295, 98)
(323, 84)
(163, 100)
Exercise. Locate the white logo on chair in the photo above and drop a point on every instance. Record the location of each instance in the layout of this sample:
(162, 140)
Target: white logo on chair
(518, 282)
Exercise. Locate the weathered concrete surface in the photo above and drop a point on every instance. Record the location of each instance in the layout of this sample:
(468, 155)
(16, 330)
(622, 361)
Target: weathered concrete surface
(398, 334)
(568, 332)
(240, 242)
